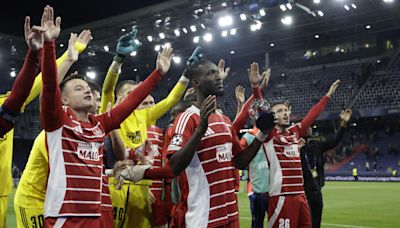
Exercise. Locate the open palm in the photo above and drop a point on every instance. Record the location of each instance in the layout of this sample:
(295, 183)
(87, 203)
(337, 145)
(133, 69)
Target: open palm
(53, 29)
(33, 36)
(254, 74)
(164, 59)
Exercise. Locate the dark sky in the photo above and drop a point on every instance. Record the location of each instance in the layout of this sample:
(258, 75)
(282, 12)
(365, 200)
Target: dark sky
(73, 12)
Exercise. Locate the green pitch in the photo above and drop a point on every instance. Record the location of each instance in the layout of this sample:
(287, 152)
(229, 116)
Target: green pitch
(346, 204)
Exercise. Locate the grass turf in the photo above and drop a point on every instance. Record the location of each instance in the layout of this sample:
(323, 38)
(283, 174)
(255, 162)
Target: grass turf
(346, 204)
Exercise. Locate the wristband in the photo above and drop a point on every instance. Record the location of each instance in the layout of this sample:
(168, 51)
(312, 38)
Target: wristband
(261, 136)
(118, 58)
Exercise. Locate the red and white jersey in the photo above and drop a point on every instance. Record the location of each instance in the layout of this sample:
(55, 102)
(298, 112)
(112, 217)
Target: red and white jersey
(210, 191)
(75, 167)
(283, 154)
(155, 135)
(105, 193)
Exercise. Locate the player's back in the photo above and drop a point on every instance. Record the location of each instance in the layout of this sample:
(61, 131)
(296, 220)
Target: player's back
(31, 189)
(283, 154)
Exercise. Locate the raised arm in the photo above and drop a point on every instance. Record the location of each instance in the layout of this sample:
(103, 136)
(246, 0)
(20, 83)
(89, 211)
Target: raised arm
(51, 106)
(344, 119)
(316, 110)
(14, 102)
(80, 45)
(254, 78)
(126, 45)
(125, 108)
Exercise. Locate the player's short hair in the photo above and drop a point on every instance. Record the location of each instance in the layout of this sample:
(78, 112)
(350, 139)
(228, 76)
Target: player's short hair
(69, 78)
(126, 82)
(193, 70)
(286, 103)
(94, 86)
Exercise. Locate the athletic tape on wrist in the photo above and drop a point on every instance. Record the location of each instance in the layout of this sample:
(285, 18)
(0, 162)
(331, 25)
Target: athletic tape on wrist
(261, 136)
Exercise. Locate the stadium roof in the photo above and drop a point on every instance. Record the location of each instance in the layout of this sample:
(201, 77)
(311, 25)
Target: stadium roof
(312, 25)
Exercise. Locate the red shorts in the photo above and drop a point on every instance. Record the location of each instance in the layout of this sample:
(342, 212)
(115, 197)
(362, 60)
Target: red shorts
(159, 211)
(73, 222)
(288, 211)
(107, 219)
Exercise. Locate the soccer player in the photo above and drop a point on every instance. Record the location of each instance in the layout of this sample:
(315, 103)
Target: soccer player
(312, 161)
(206, 148)
(287, 203)
(133, 132)
(30, 195)
(75, 139)
(12, 103)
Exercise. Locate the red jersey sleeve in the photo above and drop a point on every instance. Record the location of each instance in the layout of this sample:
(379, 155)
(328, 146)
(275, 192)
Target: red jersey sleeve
(312, 115)
(183, 128)
(51, 110)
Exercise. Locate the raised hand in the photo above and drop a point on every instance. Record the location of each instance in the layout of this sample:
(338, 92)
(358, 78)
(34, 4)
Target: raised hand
(254, 75)
(266, 75)
(209, 106)
(33, 36)
(223, 73)
(345, 116)
(196, 56)
(239, 93)
(53, 29)
(83, 40)
(333, 88)
(126, 43)
(164, 59)
(72, 52)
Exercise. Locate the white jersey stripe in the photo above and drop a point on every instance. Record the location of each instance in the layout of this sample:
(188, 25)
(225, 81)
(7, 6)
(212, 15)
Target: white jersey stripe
(208, 161)
(223, 205)
(290, 168)
(216, 135)
(83, 189)
(183, 122)
(222, 193)
(221, 181)
(86, 165)
(83, 177)
(224, 217)
(219, 170)
(217, 123)
(210, 148)
(289, 185)
(154, 133)
(81, 202)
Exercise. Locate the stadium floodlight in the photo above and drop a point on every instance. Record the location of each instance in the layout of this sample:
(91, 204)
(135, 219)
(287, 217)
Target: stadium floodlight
(224, 4)
(317, 1)
(272, 45)
(262, 12)
(177, 32)
(283, 7)
(316, 36)
(203, 26)
(106, 48)
(243, 17)
(123, 30)
(157, 47)
(354, 6)
(137, 41)
(134, 53)
(388, 1)
(368, 26)
(135, 69)
(287, 20)
(232, 52)
(91, 74)
(233, 31)
(207, 37)
(320, 13)
(225, 21)
(176, 59)
(185, 30)
(61, 45)
(253, 27)
(149, 38)
(161, 35)
(196, 39)
(224, 33)
(346, 7)
(13, 73)
(193, 28)
(289, 6)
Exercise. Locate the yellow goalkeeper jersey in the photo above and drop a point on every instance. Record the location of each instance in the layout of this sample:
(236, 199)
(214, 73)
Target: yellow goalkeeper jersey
(31, 190)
